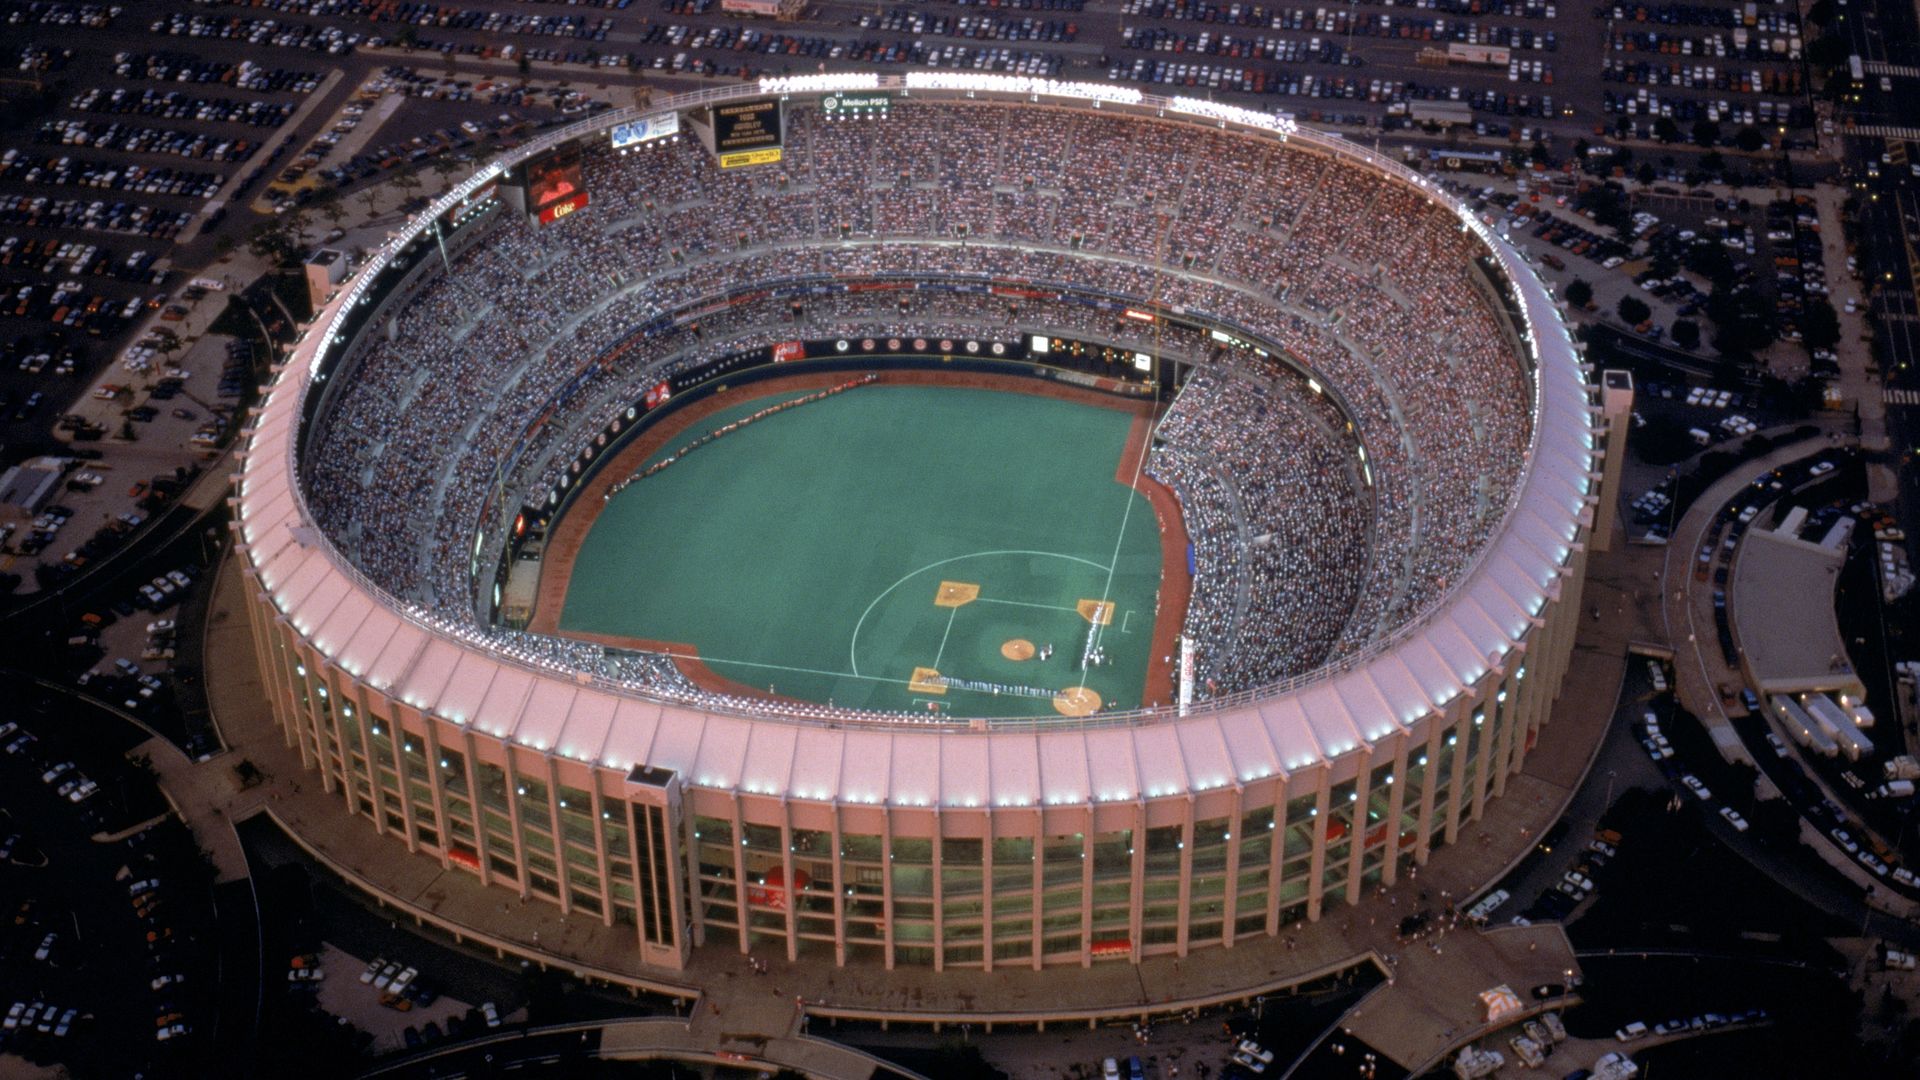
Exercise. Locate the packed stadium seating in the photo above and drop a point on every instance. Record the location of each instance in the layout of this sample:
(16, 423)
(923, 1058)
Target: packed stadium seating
(1304, 555)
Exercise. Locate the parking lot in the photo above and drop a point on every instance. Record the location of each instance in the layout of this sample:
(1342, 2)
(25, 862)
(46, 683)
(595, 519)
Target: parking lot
(107, 911)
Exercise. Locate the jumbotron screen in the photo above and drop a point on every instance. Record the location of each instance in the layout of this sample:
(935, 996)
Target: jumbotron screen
(555, 186)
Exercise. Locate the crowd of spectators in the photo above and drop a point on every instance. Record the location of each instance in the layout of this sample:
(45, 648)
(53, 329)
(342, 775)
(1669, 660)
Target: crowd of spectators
(1277, 511)
(536, 336)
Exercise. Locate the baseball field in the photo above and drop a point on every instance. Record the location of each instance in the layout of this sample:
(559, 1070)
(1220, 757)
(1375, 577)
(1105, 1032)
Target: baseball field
(894, 546)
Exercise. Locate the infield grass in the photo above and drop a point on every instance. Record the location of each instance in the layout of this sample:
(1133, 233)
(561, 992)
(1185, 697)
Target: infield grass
(805, 553)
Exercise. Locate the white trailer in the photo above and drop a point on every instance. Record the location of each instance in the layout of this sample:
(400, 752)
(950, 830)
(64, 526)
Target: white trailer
(1834, 720)
(1801, 727)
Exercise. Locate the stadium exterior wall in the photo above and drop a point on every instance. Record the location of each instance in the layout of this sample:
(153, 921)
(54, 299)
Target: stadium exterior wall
(923, 844)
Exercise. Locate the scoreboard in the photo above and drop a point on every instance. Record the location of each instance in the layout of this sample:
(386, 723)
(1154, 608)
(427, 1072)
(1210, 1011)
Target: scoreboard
(748, 132)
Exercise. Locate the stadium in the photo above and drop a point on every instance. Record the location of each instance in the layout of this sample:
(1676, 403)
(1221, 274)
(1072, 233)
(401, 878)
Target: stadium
(931, 520)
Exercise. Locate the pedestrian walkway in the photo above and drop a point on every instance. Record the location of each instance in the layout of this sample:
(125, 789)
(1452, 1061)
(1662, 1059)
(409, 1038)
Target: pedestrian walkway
(1431, 1002)
(1882, 131)
(1898, 396)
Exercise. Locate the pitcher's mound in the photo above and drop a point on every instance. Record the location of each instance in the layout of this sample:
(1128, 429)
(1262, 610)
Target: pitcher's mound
(1077, 701)
(1017, 649)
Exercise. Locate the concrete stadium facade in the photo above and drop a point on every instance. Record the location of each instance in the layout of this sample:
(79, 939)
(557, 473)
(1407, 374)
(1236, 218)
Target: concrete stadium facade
(886, 842)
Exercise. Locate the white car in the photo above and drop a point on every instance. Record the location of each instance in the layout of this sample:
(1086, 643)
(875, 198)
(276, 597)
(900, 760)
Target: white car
(386, 975)
(160, 626)
(53, 773)
(1578, 880)
(1845, 841)
(1655, 750)
(305, 974)
(1733, 818)
(492, 1016)
(46, 947)
(1252, 1056)
(161, 982)
(1779, 745)
(1488, 904)
(373, 969)
(1694, 785)
(1109, 1069)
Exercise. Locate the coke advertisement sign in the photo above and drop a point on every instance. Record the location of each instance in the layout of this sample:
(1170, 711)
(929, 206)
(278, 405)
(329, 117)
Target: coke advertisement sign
(553, 213)
(658, 395)
(788, 350)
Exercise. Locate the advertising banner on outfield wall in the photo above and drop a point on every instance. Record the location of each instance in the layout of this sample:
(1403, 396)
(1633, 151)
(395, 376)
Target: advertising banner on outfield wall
(789, 350)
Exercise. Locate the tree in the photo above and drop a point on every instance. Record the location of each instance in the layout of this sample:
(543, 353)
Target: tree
(445, 167)
(525, 67)
(1821, 13)
(1538, 153)
(1686, 334)
(1645, 174)
(1828, 52)
(1633, 310)
(333, 212)
(1711, 261)
(1819, 325)
(270, 240)
(1743, 321)
(298, 222)
(1666, 130)
(1713, 162)
(1579, 293)
(1706, 133)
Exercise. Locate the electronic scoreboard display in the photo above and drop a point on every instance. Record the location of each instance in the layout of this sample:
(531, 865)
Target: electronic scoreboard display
(555, 186)
(747, 132)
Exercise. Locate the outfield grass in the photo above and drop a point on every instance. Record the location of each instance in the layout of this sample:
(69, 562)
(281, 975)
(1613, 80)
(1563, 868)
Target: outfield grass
(804, 552)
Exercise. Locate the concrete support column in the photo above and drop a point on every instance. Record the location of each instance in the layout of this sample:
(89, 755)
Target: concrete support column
(1137, 852)
(513, 819)
(1039, 887)
(1359, 826)
(1455, 728)
(603, 857)
(939, 897)
(1186, 878)
(986, 892)
(1396, 808)
(839, 891)
(436, 784)
(482, 843)
(1277, 856)
(886, 886)
(792, 906)
(603, 854)
(741, 911)
(1317, 863)
(1230, 892)
(1086, 892)
(562, 870)
(1429, 781)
